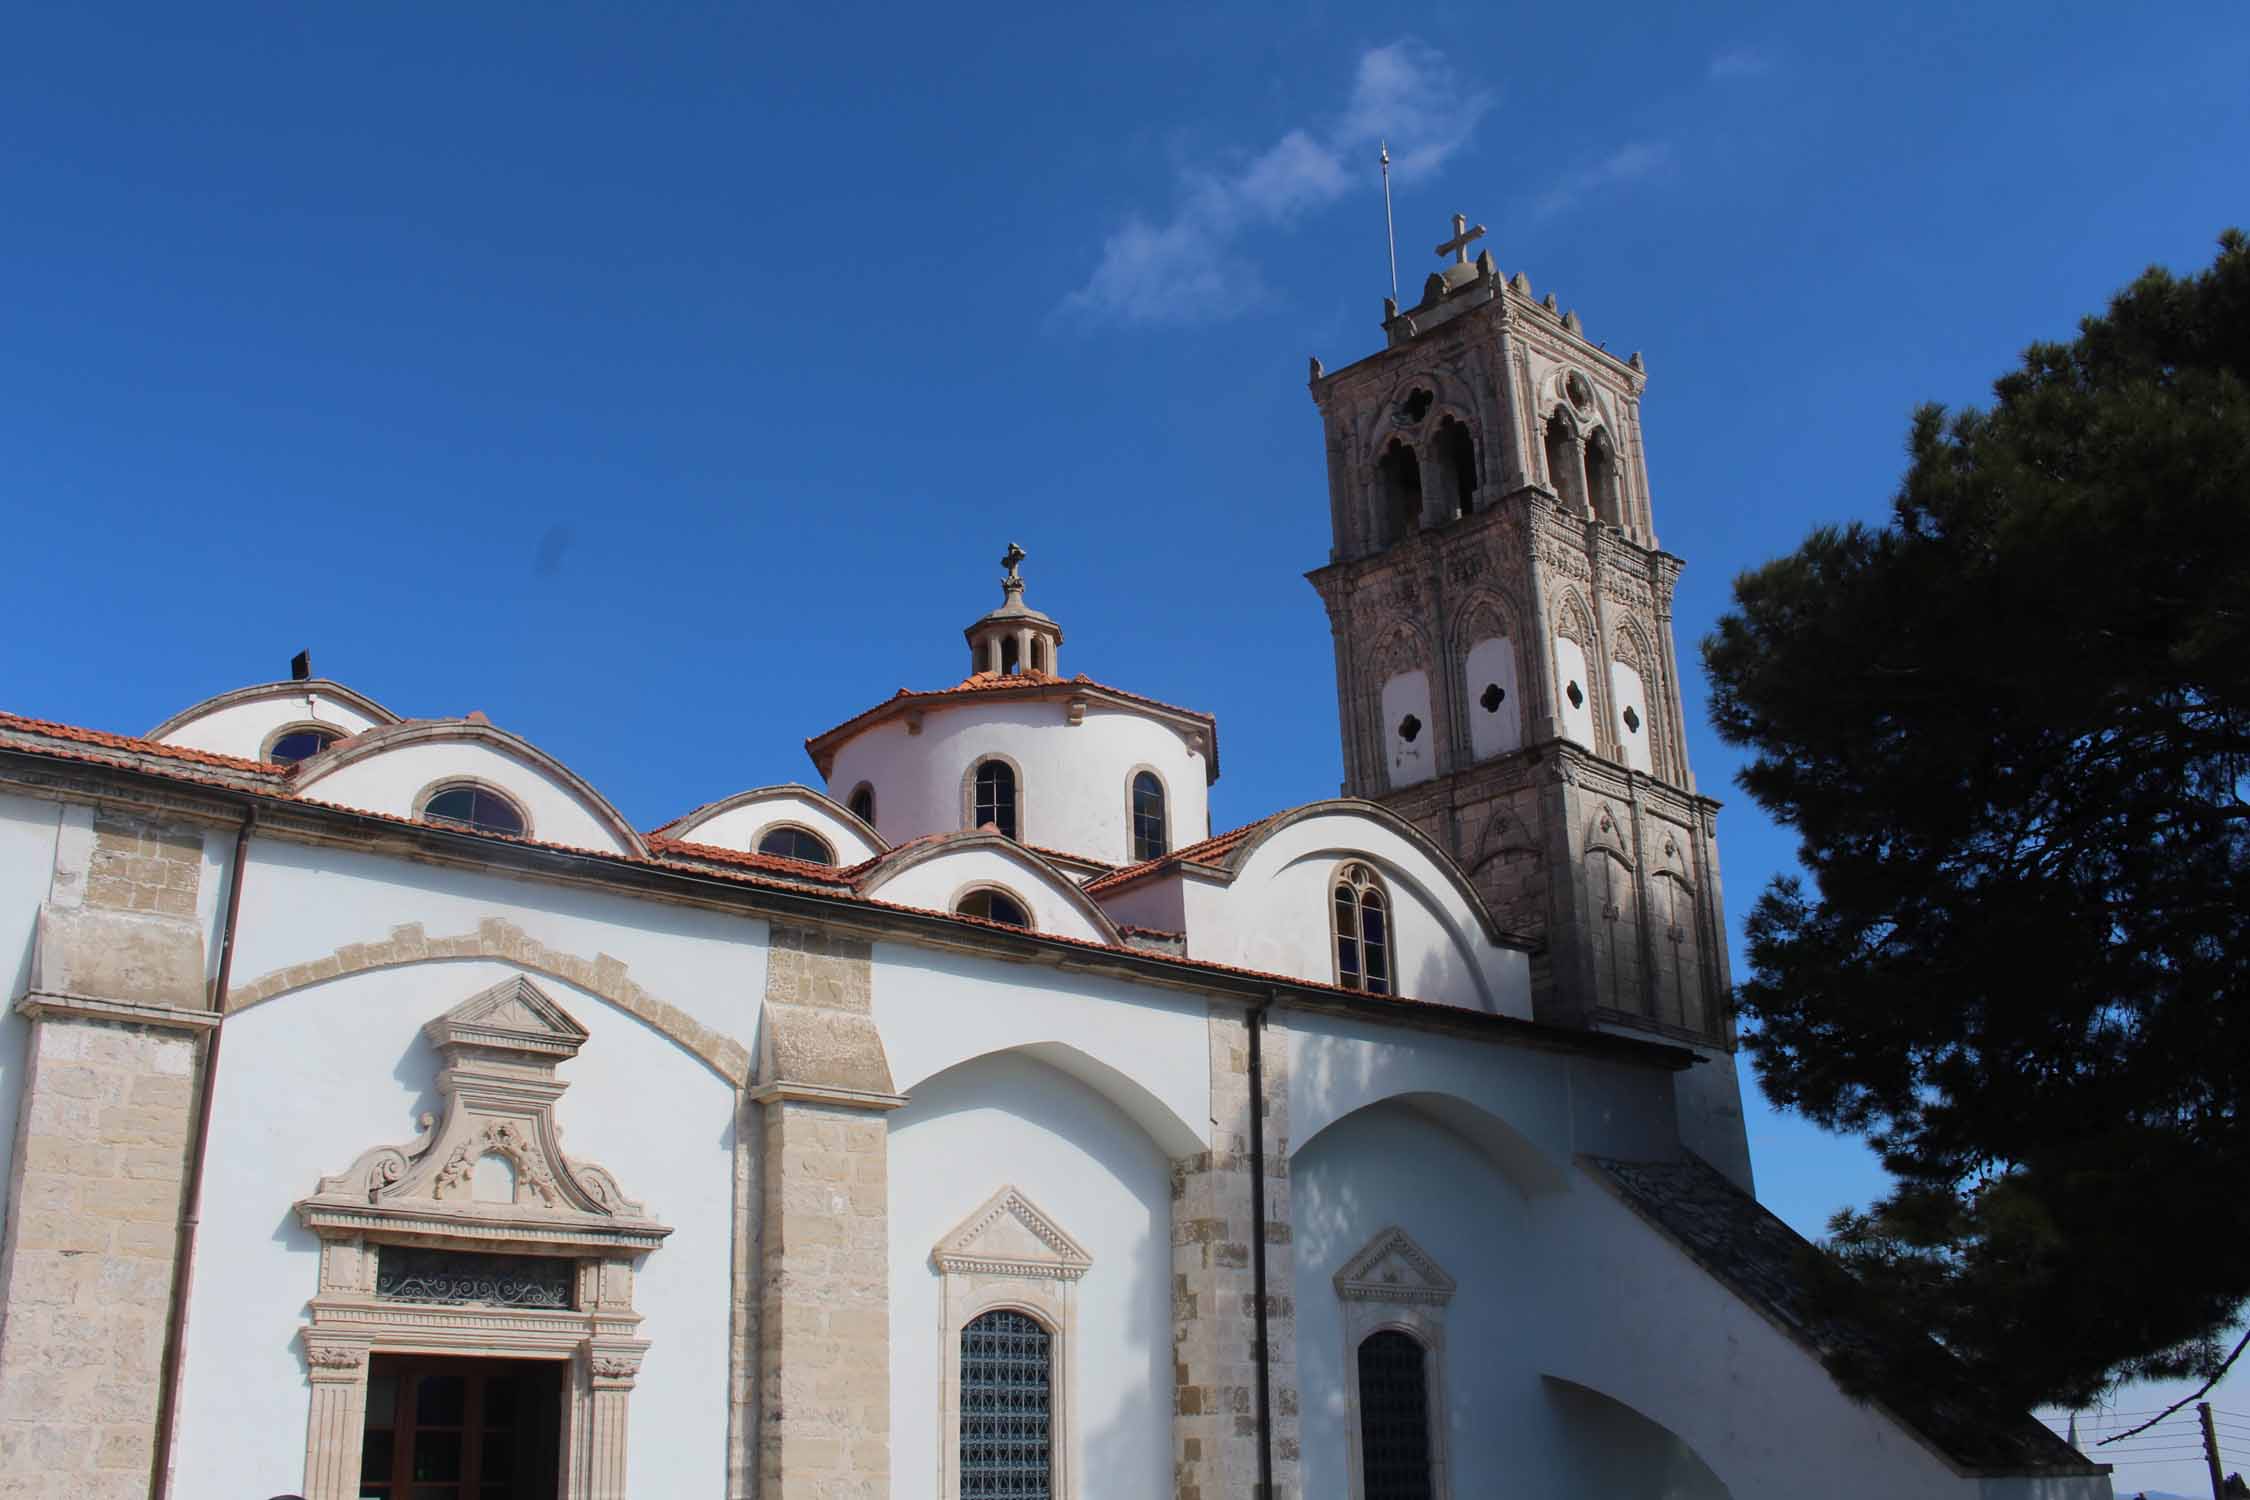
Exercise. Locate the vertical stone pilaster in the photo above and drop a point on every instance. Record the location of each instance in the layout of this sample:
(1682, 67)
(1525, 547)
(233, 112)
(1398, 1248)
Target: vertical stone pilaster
(336, 1424)
(824, 1378)
(824, 1367)
(1214, 1311)
(612, 1370)
(86, 1276)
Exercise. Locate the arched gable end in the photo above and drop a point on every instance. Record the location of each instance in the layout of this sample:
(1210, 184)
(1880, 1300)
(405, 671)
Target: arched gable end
(385, 770)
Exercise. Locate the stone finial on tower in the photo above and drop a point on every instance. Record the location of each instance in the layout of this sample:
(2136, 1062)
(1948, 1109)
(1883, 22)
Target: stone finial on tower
(1015, 637)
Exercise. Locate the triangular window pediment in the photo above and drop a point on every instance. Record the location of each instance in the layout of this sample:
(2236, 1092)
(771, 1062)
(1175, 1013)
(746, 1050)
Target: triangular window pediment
(1010, 1236)
(1392, 1268)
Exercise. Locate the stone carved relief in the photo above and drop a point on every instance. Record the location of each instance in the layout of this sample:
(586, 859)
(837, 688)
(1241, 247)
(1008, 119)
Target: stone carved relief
(1572, 623)
(1392, 1268)
(500, 1048)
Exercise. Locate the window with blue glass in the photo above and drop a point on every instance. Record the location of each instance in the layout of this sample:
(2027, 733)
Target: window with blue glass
(1007, 1408)
(1394, 1418)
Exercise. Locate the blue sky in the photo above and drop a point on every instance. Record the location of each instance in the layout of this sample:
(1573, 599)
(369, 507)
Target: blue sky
(665, 380)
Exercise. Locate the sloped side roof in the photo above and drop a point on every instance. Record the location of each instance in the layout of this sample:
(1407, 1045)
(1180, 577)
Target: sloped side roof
(1770, 1266)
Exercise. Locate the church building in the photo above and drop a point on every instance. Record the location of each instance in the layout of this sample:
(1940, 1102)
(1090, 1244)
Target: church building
(392, 1119)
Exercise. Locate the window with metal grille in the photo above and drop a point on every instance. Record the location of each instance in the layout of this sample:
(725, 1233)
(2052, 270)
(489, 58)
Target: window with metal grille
(1362, 927)
(1394, 1418)
(1149, 839)
(1007, 1408)
(996, 796)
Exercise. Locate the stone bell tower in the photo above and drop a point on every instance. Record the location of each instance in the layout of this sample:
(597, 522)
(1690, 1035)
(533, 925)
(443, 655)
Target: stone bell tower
(1506, 675)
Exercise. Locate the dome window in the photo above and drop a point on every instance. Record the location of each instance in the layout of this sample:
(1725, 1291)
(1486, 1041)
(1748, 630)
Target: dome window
(863, 803)
(789, 841)
(1149, 837)
(469, 805)
(996, 797)
(301, 742)
(994, 906)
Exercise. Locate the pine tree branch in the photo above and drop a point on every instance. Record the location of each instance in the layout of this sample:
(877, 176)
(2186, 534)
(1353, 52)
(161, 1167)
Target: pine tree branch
(2196, 1395)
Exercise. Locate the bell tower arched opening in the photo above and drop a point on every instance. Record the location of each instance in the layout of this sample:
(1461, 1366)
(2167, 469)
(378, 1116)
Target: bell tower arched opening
(1457, 462)
(1398, 492)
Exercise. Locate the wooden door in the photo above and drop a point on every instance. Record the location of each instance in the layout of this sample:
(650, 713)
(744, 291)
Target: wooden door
(461, 1429)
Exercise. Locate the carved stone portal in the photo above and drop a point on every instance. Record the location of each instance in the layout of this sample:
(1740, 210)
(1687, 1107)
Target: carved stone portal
(486, 1179)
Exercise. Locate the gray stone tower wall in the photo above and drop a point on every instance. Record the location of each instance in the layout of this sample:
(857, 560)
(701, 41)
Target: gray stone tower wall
(1613, 868)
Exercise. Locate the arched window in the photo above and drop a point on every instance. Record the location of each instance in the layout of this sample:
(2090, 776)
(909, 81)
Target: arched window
(1566, 467)
(1011, 662)
(1394, 1418)
(863, 803)
(467, 805)
(1457, 456)
(996, 797)
(1149, 838)
(301, 742)
(994, 906)
(1602, 480)
(1399, 481)
(1363, 931)
(1007, 1407)
(791, 842)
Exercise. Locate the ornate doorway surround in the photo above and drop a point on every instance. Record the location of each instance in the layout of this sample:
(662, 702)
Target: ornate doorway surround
(479, 1237)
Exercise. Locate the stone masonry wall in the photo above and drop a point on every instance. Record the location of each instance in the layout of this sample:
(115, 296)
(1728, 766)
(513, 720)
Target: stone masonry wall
(87, 1276)
(141, 866)
(1214, 1328)
(825, 1379)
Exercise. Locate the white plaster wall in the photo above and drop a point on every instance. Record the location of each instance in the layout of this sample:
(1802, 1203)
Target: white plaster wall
(1074, 784)
(1148, 1050)
(740, 827)
(389, 782)
(1626, 692)
(1531, 1110)
(1570, 1284)
(1276, 917)
(936, 883)
(1570, 667)
(241, 728)
(1002, 1121)
(302, 902)
(310, 1080)
(27, 862)
(1409, 761)
(1493, 731)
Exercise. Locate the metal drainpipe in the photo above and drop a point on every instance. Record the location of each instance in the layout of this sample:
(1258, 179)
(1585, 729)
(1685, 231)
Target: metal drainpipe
(1257, 1023)
(191, 1198)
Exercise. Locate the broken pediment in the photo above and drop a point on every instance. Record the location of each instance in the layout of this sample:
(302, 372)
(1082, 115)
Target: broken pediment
(1392, 1268)
(489, 1169)
(1009, 1236)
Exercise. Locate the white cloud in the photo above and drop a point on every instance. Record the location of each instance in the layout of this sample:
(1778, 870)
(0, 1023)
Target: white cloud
(1628, 163)
(1740, 62)
(1185, 266)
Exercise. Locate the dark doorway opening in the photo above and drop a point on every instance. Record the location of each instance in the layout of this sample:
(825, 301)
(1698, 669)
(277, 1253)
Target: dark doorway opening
(461, 1429)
